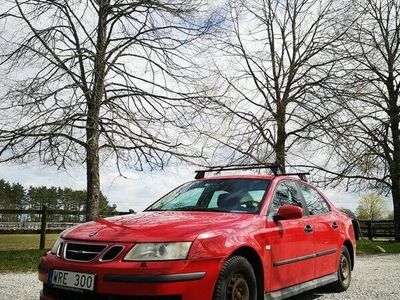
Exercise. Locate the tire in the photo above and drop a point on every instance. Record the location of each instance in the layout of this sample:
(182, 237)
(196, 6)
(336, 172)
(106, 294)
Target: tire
(236, 281)
(343, 272)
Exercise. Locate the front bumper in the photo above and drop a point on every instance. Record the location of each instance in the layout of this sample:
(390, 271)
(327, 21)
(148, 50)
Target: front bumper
(170, 280)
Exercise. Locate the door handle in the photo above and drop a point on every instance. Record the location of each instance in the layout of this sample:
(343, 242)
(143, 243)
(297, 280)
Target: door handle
(335, 225)
(308, 229)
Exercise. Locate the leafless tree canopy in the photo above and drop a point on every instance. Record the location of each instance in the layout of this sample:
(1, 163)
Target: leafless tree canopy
(281, 55)
(367, 90)
(98, 75)
(365, 137)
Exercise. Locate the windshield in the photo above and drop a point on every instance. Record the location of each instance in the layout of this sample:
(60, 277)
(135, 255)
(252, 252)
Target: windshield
(227, 195)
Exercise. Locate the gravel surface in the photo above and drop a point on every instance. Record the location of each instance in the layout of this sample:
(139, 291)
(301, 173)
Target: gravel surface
(19, 286)
(374, 277)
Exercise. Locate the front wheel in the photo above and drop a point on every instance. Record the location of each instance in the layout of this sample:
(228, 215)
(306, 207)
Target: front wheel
(343, 272)
(236, 281)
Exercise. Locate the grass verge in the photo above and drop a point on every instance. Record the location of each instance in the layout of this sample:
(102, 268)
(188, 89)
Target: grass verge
(24, 241)
(19, 252)
(20, 260)
(372, 247)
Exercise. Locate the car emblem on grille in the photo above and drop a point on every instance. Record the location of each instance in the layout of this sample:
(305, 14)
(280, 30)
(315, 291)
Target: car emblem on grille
(92, 234)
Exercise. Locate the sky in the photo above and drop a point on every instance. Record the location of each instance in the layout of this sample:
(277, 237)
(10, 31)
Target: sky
(138, 190)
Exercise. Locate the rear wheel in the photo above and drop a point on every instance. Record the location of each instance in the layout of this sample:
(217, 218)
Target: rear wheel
(236, 281)
(343, 272)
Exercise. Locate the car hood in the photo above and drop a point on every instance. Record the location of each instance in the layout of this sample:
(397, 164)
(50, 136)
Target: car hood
(158, 226)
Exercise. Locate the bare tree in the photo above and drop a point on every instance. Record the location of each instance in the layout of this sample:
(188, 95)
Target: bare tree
(280, 55)
(97, 80)
(365, 137)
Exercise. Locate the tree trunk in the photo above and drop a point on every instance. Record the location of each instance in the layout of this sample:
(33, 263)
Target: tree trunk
(396, 207)
(395, 178)
(92, 123)
(395, 189)
(280, 149)
(395, 163)
(92, 172)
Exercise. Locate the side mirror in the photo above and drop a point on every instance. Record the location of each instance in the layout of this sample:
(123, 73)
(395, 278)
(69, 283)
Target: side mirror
(289, 212)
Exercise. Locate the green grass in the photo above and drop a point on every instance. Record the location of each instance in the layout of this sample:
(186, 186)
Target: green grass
(371, 247)
(19, 252)
(24, 241)
(20, 260)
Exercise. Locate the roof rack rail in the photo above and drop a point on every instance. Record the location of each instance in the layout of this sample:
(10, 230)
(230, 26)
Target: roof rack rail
(302, 175)
(275, 168)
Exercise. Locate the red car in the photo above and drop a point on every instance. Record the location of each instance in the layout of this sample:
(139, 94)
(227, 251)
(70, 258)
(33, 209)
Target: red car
(246, 237)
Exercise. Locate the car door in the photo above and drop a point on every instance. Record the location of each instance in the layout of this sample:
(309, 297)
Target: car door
(326, 230)
(291, 243)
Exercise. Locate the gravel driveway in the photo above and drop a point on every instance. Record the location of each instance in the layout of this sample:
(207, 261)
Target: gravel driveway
(375, 277)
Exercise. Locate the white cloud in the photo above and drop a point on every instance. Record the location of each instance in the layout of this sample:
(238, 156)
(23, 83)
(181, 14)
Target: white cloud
(139, 190)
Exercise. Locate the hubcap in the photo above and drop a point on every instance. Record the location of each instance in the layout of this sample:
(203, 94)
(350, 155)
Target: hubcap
(238, 288)
(344, 269)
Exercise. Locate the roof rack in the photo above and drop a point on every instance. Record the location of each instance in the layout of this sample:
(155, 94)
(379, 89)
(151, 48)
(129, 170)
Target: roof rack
(302, 175)
(200, 174)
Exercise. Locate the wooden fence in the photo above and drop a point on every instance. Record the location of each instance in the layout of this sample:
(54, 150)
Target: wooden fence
(377, 229)
(26, 226)
(43, 226)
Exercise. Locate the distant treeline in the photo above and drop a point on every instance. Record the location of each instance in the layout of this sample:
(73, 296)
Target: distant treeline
(15, 196)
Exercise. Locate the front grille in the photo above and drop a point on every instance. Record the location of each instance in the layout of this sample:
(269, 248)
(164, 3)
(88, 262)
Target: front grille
(111, 253)
(82, 252)
(68, 295)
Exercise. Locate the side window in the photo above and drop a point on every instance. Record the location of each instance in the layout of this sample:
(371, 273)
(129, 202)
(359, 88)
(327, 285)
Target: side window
(315, 202)
(285, 194)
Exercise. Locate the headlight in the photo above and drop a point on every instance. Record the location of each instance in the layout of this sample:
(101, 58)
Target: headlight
(56, 247)
(158, 251)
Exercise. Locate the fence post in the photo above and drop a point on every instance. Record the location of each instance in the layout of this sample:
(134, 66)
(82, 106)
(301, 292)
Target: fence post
(369, 224)
(43, 228)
